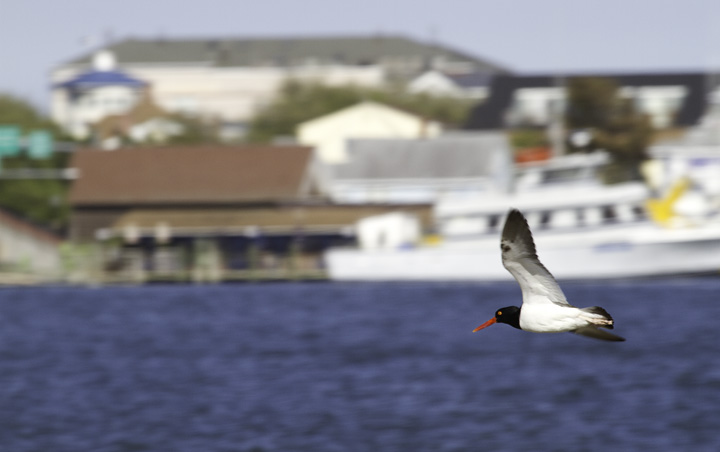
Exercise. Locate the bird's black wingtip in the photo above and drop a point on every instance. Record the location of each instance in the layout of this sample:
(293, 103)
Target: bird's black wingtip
(515, 225)
(514, 215)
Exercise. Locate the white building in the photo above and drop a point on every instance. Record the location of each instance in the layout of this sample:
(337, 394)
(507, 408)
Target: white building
(87, 97)
(535, 105)
(389, 230)
(329, 134)
(231, 79)
(670, 100)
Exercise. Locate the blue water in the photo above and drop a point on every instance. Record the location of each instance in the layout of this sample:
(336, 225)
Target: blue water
(353, 367)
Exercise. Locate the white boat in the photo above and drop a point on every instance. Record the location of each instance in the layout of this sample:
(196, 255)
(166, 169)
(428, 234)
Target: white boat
(583, 230)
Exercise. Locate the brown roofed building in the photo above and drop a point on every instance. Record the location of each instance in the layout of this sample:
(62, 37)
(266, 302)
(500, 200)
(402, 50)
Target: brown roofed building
(268, 197)
(111, 183)
(184, 175)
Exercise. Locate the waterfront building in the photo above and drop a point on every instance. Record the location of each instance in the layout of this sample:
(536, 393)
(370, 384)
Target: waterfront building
(230, 79)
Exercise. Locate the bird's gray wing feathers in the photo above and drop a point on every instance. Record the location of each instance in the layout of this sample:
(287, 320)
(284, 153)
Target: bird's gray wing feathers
(520, 258)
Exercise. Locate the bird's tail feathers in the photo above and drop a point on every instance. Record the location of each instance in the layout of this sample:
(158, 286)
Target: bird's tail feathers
(598, 316)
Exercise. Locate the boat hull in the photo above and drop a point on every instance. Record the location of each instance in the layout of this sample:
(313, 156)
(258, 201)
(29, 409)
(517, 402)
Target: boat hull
(634, 252)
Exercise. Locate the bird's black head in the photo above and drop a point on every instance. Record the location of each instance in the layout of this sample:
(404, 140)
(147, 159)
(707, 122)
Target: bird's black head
(509, 315)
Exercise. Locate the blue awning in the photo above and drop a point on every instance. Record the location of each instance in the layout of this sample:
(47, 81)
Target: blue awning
(93, 79)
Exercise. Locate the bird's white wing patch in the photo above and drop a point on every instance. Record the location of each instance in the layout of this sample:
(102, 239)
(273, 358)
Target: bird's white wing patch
(520, 258)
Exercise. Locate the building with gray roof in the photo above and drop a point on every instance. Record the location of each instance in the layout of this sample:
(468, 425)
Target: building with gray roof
(422, 170)
(230, 79)
(399, 55)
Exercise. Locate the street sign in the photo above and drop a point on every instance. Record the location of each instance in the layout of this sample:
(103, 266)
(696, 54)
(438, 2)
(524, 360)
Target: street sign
(9, 141)
(40, 144)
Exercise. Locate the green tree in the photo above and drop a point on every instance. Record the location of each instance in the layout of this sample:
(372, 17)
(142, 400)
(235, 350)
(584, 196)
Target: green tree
(298, 102)
(195, 130)
(41, 201)
(17, 112)
(594, 105)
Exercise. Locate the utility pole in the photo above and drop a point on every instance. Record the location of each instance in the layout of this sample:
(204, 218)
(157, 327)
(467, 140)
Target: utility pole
(556, 128)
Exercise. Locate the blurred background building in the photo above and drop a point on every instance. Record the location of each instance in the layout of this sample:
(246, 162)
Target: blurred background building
(229, 80)
(242, 153)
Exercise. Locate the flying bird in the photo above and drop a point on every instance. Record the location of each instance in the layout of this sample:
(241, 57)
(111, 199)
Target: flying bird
(544, 308)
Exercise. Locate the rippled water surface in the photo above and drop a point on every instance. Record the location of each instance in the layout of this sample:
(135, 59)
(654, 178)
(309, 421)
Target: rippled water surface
(353, 367)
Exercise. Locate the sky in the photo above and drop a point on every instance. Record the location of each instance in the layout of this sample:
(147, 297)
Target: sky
(526, 36)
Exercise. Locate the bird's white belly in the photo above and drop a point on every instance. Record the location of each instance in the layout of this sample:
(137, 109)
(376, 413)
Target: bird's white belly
(550, 318)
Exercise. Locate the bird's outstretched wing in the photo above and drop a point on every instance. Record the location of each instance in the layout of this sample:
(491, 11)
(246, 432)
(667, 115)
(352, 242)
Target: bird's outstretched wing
(520, 258)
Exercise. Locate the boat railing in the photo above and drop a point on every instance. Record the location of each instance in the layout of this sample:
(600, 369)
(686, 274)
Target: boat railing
(545, 219)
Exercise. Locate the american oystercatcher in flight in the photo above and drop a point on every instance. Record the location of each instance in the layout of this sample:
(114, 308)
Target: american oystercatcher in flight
(544, 307)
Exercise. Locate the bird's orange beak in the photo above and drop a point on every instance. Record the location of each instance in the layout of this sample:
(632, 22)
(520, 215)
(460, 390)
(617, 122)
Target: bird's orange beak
(486, 324)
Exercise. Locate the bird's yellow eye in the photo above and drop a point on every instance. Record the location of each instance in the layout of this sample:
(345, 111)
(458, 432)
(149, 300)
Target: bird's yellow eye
(499, 313)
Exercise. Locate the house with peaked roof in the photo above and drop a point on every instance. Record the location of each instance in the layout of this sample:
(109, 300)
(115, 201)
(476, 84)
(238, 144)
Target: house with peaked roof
(230, 78)
(167, 206)
(330, 133)
(421, 171)
(144, 123)
(26, 249)
(472, 85)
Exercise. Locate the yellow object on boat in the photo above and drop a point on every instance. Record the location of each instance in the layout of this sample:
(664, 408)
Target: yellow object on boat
(431, 240)
(661, 210)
